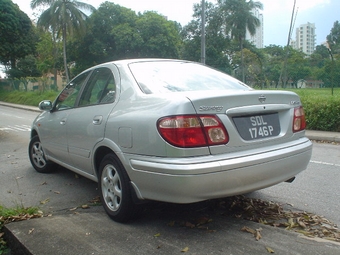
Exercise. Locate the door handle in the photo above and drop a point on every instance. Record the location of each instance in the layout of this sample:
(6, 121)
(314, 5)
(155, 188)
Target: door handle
(97, 120)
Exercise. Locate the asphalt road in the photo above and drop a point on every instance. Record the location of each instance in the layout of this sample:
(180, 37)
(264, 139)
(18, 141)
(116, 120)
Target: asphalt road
(314, 190)
(20, 184)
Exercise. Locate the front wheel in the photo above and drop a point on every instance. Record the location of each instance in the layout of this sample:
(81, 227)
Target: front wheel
(37, 156)
(115, 191)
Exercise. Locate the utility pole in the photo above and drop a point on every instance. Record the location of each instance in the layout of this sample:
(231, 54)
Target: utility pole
(284, 68)
(203, 33)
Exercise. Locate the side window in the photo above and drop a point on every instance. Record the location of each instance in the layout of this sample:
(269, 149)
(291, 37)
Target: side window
(100, 89)
(67, 98)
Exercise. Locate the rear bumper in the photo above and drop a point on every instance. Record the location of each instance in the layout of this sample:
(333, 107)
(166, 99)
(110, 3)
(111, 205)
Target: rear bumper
(201, 178)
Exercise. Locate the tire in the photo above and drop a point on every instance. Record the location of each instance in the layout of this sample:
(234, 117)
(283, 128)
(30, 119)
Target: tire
(37, 156)
(115, 192)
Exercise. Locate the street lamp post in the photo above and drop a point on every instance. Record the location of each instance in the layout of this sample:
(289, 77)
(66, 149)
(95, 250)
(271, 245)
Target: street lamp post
(332, 66)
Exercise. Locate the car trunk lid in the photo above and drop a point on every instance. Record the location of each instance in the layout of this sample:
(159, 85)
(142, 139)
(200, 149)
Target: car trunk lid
(252, 118)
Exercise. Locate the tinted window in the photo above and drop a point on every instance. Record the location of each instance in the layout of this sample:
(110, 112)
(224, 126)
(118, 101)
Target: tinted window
(68, 97)
(170, 76)
(100, 88)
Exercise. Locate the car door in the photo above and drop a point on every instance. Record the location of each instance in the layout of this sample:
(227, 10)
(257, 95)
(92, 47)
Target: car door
(52, 129)
(86, 123)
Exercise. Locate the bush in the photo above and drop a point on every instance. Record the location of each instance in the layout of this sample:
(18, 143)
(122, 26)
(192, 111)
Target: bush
(322, 111)
(32, 98)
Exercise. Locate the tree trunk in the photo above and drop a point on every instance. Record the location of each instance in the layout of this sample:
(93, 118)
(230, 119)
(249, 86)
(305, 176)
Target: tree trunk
(64, 51)
(242, 60)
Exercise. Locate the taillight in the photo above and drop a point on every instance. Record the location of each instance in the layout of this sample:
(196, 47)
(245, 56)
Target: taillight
(192, 130)
(299, 121)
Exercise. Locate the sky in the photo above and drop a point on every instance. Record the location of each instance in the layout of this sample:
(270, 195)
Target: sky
(276, 14)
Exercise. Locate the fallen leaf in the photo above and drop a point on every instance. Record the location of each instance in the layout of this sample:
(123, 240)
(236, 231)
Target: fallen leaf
(249, 230)
(157, 235)
(290, 223)
(45, 201)
(95, 200)
(189, 224)
(30, 231)
(270, 250)
(258, 234)
(203, 220)
(44, 183)
(301, 223)
(85, 206)
(56, 192)
(74, 208)
(185, 249)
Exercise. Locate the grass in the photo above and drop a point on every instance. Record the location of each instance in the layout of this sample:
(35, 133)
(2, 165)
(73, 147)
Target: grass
(14, 214)
(32, 98)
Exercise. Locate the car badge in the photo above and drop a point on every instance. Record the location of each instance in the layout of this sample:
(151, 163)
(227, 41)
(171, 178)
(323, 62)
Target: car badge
(262, 98)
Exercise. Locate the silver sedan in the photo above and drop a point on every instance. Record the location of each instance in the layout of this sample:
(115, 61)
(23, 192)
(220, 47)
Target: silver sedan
(169, 130)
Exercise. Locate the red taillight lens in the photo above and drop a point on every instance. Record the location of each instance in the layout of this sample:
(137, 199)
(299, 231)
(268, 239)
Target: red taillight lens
(299, 121)
(193, 130)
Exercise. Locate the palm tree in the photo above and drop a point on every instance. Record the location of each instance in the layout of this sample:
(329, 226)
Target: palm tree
(63, 18)
(239, 18)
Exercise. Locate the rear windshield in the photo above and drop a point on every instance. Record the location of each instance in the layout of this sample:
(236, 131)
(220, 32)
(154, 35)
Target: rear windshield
(174, 76)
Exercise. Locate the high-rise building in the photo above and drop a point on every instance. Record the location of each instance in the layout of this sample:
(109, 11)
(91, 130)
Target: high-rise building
(257, 38)
(305, 38)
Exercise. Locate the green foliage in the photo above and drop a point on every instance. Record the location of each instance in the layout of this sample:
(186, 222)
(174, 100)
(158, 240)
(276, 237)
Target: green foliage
(32, 98)
(321, 108)
(333, 38)
(17, 36)
(115, 32)
(218, 49)
(63, 18)
(26, 67)
(13, 214)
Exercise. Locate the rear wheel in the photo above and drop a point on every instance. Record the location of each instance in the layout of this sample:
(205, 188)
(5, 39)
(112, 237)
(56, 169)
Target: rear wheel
(37, 156)
(115, 192)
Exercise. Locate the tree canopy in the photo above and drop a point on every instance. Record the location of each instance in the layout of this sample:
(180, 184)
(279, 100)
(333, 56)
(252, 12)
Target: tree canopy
(63, 17)
(17, 36)
(115, 32)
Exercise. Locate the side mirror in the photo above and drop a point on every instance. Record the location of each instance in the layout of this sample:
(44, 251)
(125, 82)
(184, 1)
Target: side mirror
(45, 105)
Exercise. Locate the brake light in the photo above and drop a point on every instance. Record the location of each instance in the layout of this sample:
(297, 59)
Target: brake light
(299, 120)
(192, 130)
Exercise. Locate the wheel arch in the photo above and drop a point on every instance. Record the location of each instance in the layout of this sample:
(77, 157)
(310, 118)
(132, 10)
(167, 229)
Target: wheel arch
(100, 153)
(33, 133)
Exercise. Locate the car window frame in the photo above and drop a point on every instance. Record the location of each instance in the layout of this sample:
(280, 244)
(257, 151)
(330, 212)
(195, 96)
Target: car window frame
(90, 82)
(76, 102)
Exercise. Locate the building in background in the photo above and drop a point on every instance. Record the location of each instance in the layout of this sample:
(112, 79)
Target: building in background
(305, 38)
(257, 38)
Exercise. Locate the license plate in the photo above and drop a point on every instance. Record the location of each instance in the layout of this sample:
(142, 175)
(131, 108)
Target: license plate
(258, 126)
